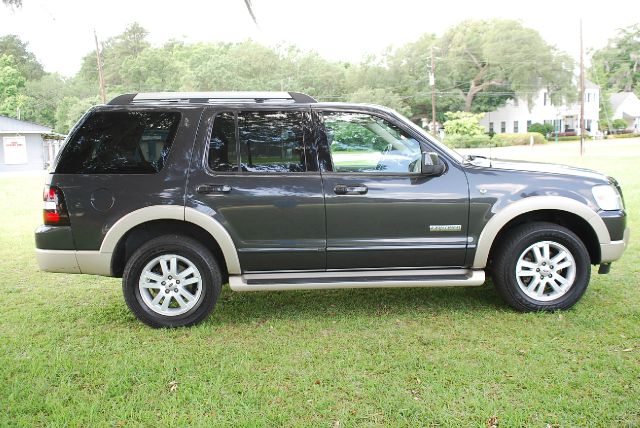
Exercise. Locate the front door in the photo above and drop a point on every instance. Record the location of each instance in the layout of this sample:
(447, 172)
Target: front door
(256, 176)
(381, 212)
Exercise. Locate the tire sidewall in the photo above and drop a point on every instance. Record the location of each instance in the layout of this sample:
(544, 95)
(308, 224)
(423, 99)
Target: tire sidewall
(573, 245)
(206, 266)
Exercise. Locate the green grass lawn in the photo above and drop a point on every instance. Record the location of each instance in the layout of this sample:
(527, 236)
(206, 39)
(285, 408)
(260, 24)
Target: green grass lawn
(71, 354)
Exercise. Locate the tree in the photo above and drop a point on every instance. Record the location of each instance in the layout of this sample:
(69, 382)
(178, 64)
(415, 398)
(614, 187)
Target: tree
(12, 3)
(25, 61)
(11, 84)
(503, 58)
(616, 67)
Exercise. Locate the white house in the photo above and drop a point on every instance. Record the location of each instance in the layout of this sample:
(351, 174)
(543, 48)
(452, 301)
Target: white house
(515, 116)
(626, 105)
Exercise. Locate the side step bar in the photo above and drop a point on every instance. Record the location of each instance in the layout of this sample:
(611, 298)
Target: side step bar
(356, 279)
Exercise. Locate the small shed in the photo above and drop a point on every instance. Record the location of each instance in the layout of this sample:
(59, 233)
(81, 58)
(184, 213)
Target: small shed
(26, 146)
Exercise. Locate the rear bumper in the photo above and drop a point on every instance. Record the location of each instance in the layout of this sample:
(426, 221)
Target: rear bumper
(613, 250)
(69, 261)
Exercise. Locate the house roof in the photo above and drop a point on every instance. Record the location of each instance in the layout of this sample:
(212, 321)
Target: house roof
(632, 106)
(9, 125)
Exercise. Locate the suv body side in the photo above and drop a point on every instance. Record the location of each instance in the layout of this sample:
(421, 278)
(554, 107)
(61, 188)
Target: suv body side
(482, 199)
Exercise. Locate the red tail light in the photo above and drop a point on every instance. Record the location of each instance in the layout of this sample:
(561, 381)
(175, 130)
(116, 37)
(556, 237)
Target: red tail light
(55, 210)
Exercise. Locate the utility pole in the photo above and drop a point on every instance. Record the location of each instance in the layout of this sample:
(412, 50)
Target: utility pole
(100, 75)
(432, 83)
(581, 93)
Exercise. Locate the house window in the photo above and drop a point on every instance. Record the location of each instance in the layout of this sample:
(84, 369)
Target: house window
(503, 127)
(490, 126)
(557, 125)
(546, 98)
(528, 125)
(588, 96)
(588, 127)
(515, 126)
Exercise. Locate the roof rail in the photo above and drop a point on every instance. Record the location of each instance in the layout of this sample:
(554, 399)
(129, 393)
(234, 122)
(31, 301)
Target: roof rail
(210, 97)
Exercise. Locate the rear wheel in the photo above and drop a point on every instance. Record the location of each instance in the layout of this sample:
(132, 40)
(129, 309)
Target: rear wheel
(541, 266)
(171, 281)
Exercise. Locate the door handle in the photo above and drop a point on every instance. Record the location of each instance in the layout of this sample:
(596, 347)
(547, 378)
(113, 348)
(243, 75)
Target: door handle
(343, 189)
(209, 189)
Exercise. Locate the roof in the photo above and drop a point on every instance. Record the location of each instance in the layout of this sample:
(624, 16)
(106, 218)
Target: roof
(210, 97)
(9, 125)
(618, 98)
(588, 84)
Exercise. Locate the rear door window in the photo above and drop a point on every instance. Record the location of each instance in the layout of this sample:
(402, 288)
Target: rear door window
(271, 141)
(268, 142)
(120, 142)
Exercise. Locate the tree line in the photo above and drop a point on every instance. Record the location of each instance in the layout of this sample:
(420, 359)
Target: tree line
(480, 64)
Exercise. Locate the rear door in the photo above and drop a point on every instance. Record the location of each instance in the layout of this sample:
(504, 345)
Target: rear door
(257, 175)
(381, 212)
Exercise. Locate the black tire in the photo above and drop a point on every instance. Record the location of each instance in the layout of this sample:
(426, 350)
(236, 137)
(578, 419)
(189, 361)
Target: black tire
(194, 252)
(515, 243)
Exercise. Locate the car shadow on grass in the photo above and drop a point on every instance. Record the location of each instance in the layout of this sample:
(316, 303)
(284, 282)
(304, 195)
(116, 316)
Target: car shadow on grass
(251, 307)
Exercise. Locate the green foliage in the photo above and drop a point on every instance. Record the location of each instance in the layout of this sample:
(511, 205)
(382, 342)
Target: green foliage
(542, 128)
(467, 141)
(487, 53)
(501, 140)
(25, 61)
(567, 138)
(463, 123)
(630, 135)
(381, 97)
(11, 84)
(619, 124)
(616, 67)
(488, 57)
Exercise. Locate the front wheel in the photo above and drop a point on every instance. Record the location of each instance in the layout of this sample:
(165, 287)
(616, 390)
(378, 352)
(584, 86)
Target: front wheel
(171, 281)
(541, 266)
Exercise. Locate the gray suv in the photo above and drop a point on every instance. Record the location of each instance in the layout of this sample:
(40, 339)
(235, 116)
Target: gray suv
(179, 193)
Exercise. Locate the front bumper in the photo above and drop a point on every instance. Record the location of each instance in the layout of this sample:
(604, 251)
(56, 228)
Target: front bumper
(613, 250)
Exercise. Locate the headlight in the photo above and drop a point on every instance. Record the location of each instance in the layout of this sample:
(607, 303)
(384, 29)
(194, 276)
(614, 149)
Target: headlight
(607, 197)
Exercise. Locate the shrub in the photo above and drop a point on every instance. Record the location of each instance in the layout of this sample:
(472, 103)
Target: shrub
(619, 124)
(467, 141)
(500, 140)
(568, 138)
(623, 136)
(543, 129)
(463, 123)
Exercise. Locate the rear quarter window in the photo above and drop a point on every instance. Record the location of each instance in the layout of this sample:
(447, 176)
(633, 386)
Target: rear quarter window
(120, 142)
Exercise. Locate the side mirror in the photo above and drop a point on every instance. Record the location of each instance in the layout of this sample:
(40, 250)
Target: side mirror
(431, 164)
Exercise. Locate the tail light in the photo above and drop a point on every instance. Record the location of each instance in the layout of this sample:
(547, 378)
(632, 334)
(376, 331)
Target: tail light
(55, 210)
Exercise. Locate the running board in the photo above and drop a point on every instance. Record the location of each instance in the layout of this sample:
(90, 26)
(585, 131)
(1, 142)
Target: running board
(356, 279)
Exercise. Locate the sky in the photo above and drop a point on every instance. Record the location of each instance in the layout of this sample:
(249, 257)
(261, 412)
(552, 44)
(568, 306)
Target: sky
(60, 32)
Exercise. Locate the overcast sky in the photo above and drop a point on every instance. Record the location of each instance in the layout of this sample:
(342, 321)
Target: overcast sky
(61, 32)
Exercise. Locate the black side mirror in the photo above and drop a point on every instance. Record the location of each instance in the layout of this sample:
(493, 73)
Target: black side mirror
(431, 164)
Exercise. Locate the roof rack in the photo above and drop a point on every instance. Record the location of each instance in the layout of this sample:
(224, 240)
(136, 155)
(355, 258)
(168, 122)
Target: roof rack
(210, 97)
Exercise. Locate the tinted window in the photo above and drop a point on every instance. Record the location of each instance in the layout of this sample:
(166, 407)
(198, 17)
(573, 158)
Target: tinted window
(222, 146)
(271, 141)
(365, 143)
(120, 143)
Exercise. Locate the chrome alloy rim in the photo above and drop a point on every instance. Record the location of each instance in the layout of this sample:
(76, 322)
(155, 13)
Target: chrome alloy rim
(545, 271)
(170, 285)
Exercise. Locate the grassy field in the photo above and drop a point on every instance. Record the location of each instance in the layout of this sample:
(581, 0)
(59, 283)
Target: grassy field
(71, 354)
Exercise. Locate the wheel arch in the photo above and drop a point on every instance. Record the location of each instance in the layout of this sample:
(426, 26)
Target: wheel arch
(129, 232)
(570, 213)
